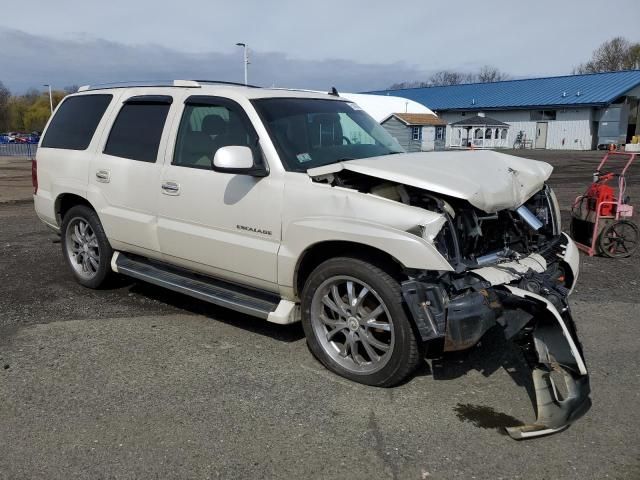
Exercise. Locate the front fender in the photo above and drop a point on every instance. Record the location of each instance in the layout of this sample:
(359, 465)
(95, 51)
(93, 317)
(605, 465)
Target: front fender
(409, 249)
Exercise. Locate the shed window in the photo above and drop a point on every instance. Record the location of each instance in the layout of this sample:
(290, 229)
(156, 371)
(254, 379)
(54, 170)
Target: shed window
(543, 115)
(416, 133)
(477, 133)
(440, 133)
(487, 133)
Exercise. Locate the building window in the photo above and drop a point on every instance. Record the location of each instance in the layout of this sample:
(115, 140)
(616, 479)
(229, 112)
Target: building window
(416, 133)
(440, 133)
(487, 133)
(503, 136)
(537, 115)
(478, 133)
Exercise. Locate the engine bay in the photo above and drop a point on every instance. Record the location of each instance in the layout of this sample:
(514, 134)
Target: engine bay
(470, 236)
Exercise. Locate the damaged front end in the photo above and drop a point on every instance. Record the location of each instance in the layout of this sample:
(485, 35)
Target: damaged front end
(511, 268)
(531, 310)
(526, 297)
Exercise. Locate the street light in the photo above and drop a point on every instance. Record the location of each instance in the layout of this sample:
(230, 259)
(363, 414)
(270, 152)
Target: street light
(50, 96)
(246, 61)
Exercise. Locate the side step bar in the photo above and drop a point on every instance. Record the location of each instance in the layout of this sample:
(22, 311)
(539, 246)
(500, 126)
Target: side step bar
(251, 302)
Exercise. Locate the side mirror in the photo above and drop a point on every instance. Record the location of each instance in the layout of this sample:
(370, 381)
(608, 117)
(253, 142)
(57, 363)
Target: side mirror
(237, 159)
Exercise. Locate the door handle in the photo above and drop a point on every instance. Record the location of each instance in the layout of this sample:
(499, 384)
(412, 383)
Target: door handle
(170, 188)
(103, 176)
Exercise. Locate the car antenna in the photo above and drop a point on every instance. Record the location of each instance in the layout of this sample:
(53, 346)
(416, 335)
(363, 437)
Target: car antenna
(334, 92)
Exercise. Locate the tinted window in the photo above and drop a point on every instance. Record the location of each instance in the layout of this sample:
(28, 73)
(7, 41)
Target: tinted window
(206, 128)
(137, 130)
(76, 121)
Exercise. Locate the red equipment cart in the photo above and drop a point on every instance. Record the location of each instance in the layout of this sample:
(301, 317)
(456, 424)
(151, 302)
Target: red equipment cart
(600, 219)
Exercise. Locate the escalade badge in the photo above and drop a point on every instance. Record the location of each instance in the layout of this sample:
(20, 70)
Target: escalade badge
(254, 230)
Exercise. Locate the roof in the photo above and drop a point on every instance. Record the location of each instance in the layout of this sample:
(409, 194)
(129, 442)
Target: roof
(478, 120)
(381, 107)
(209, 87)
(417, 119)
(596, 89)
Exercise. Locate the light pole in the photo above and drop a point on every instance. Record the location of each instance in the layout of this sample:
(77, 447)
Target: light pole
(50, 97)
(246, 61)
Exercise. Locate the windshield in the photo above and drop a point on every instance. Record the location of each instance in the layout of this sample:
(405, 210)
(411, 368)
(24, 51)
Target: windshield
(310, 133)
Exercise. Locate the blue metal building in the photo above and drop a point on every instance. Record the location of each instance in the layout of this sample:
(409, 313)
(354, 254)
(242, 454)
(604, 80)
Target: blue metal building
(577, 112)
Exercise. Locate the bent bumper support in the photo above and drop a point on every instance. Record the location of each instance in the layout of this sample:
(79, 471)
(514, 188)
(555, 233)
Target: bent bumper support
(558, 350)
(546, 336)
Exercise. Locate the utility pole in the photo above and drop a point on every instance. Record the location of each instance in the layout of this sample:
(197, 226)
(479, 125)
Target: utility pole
(50, 97)
(246, 61)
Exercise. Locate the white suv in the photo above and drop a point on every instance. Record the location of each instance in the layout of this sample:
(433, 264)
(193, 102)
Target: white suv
(290, 205)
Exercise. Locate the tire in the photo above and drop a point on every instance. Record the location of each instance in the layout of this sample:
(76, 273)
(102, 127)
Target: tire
(85, 247)
(363, 336)
(619, 239)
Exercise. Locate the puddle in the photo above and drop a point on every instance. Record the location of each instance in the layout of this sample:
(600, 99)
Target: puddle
(485, 417)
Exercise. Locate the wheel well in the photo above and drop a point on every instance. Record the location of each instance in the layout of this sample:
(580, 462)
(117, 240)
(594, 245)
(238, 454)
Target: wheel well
(318, 253)
(66, 201)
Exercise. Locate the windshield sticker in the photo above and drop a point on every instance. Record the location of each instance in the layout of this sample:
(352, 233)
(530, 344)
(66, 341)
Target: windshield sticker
(355, 106)
(303, 157)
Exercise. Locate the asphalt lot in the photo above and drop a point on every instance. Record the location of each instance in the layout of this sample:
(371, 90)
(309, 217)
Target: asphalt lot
(138, 382)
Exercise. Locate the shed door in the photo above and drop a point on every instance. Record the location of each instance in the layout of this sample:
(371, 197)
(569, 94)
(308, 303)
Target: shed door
(541, 134)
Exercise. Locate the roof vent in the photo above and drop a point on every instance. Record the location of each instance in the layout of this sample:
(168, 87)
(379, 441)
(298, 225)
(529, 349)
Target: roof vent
(564, 94)
(473, 101)
(578, 93)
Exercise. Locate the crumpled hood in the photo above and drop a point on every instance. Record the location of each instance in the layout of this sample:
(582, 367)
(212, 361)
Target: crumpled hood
(490, 181)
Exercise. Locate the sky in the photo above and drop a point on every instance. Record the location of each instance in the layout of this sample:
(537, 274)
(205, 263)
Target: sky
(354, 45)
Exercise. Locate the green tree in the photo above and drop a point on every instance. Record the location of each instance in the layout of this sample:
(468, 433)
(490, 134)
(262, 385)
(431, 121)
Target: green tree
(5, 96)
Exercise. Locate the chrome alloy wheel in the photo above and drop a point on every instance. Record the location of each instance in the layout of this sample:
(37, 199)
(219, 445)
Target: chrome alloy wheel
(82, 248)
(352, 324)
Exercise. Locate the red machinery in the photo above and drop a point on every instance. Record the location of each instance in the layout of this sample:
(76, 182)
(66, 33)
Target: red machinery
(601, 218)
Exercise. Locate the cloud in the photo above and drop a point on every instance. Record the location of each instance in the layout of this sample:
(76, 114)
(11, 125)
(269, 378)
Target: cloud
(28, 60)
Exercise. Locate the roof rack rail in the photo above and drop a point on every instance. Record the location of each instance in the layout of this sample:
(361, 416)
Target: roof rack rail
(223, 82)
(162, 83)
(142, 83)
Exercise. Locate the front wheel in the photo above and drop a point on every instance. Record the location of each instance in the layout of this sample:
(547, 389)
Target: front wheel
(85, 247)
(355, 323)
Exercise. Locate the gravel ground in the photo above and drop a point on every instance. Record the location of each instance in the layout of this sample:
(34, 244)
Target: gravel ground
(138, 382)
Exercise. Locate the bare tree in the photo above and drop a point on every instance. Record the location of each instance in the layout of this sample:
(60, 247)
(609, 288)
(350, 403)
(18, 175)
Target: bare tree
(452, 77)
(5, 95)
(449, 77)
(489, 74)
(613, 55)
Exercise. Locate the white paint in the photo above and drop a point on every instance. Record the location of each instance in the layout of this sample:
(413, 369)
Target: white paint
(571, 130)
(381, 106)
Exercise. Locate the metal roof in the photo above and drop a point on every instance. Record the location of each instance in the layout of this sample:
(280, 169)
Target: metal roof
(571, 90)
(417, 119)
(478, 120)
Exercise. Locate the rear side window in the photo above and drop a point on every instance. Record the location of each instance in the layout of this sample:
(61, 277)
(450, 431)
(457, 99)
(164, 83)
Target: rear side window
(137, 130)
(76, 121)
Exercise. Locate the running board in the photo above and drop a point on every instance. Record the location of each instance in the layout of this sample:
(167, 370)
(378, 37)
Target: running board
(251, 302)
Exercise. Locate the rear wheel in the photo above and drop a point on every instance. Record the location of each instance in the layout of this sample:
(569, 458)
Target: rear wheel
(619, 240)
(355, 322)
(85, 247)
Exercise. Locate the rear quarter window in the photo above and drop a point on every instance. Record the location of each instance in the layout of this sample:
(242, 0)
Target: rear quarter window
(75, 122)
